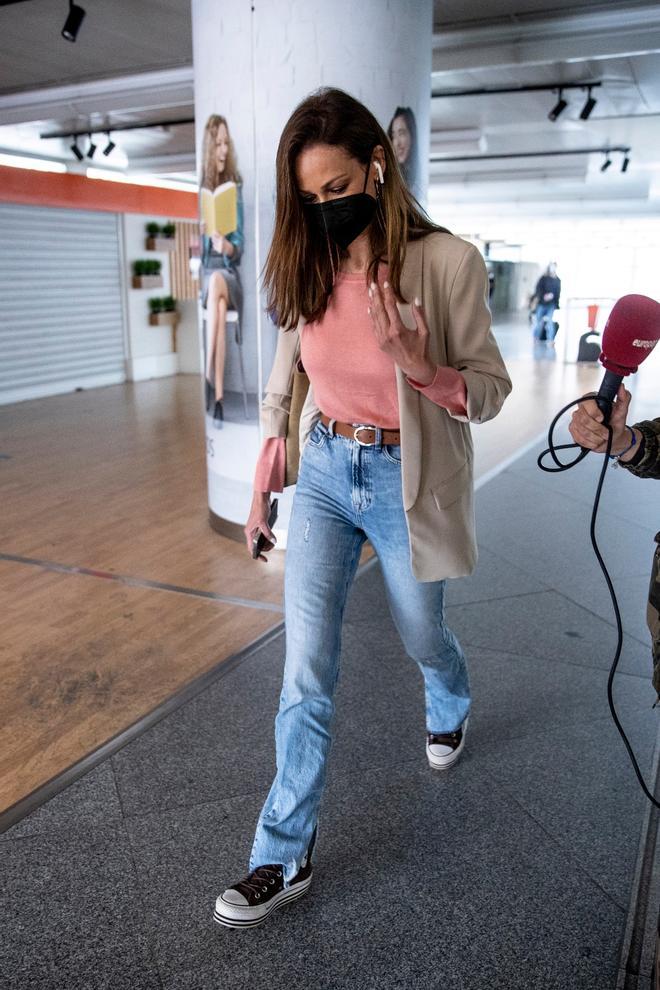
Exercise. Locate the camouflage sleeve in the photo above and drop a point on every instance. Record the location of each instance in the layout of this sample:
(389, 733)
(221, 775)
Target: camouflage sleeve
(653, 616)
(649, 464)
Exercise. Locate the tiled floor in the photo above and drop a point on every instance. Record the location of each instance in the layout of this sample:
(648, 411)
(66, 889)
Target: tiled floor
(512, 871)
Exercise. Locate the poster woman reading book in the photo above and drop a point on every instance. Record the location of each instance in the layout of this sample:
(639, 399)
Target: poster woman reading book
(222, 247)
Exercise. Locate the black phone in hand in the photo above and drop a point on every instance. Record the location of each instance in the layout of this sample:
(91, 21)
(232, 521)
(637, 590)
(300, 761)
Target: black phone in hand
(261, 539)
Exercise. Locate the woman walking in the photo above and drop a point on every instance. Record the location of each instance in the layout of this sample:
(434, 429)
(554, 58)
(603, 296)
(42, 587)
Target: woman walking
(386, 450)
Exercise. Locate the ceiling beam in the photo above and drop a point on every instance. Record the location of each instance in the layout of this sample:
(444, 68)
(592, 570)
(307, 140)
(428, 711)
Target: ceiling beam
(525, 88)
(551, 153)
(168, 89)
(141, 126)
(571, 37)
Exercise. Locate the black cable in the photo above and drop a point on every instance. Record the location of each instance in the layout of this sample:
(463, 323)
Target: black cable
(561, 466)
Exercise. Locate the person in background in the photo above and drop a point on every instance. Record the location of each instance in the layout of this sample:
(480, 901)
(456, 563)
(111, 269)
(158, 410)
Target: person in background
(402, 132)
(220, 258)
(636, 448)
(388, 314)
(548, 289)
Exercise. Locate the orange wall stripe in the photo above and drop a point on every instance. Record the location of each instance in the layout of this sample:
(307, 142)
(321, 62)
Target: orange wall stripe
(21, 185)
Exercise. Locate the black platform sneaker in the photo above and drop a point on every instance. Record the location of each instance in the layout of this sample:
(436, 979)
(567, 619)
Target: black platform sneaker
(250, 901)
(444, 748)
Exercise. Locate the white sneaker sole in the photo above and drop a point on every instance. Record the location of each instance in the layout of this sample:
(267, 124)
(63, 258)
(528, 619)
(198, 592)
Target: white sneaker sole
(445, 762)
(246, 917)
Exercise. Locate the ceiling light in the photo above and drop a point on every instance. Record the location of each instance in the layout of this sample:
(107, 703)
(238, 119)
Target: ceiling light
(585, 113)
(625, 163)
(110, 146)
(37, 164)
(92, 147)
(559, 107)
(76, 150)
(72, 24)
(606, 164)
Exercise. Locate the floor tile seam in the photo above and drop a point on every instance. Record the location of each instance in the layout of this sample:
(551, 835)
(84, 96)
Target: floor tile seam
(559, 845)
(129, 581)
(552, 660)
(501, 555)
(507, 462)
(240, 795)
(111, 761)
(147, 928)
(580, 501)
(550, 588)
(595, 615)
(499, 598)
(336, 775)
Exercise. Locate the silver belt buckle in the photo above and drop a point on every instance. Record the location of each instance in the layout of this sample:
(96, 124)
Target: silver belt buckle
(363, 426)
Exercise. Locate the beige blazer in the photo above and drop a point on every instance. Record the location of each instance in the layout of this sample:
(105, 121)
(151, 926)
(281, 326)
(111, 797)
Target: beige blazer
(449, 276)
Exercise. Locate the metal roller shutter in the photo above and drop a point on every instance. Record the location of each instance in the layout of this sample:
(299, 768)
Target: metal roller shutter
(61, 316)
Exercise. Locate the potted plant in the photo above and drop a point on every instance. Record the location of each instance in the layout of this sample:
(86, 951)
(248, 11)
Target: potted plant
(164, 312)
(157, 239)
(146, 274)
(168, 229)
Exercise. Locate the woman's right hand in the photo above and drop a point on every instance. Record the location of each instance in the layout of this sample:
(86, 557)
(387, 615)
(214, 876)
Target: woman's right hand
(258, 522)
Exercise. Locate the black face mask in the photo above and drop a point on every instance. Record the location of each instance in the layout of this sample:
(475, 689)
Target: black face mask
(343, 219)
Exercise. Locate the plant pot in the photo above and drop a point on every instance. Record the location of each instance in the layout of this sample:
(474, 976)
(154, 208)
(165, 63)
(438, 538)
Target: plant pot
(161, 243)
(147, 281)
(164, 319)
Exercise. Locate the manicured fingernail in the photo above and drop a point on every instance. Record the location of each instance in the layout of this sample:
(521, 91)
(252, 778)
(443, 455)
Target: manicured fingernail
(417, 303)
(370, 293)
(373, 286)
(369, 310)
(386, 285)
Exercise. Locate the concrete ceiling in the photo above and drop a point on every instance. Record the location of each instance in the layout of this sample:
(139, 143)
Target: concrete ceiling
(133, 62)
(117, 37)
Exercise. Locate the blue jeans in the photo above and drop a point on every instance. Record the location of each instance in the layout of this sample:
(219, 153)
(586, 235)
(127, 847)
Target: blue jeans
(544, 310)
(345, 493)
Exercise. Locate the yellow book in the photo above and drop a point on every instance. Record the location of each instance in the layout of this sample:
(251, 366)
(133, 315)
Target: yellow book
(219, 209)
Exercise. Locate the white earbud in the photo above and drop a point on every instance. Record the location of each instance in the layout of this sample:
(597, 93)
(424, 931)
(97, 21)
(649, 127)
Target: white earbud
(380, 172)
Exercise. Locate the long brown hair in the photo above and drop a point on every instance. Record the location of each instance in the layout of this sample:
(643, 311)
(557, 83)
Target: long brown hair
(299, 270)
(211, 178)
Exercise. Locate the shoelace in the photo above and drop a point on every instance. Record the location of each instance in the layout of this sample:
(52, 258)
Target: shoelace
(440, 738)
(254, 885)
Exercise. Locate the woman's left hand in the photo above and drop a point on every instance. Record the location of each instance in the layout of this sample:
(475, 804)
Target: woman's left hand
(407, 348)
(218, 242)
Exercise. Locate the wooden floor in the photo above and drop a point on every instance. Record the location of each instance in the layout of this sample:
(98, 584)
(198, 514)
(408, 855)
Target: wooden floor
(114, 590)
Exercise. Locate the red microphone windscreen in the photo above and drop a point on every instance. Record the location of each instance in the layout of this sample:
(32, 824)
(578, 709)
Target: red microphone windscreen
(631, 332)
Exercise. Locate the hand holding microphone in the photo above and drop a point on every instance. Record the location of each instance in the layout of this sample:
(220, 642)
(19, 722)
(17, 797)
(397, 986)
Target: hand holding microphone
(587, 427)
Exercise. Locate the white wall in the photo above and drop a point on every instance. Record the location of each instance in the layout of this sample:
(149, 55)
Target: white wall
(149, 349)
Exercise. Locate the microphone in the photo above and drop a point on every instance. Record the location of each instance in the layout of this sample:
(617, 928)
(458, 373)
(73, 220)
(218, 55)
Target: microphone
(631, 332)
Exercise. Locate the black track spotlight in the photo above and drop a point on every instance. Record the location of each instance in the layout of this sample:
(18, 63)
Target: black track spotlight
(585, 113)
(72, 24)
(559, 107)
(92, 147)
(76, 150)
(110, 146)
(606, 164)
(625, 163)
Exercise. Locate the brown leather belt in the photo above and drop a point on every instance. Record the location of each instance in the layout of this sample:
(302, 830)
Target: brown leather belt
(361, 433)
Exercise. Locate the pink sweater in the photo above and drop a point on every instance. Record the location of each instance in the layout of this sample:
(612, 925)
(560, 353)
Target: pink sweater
(352, 379)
